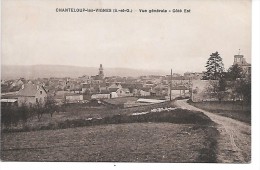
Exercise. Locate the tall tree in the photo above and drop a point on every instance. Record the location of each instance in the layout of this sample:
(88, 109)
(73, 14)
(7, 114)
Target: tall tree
(214, 67)
(234, 72)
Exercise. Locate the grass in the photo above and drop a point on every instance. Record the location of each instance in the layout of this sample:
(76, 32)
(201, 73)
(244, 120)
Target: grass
(114, 135)
(227, 109)
(178, 116)
(121, 100)
(80, 111)
(135, 142)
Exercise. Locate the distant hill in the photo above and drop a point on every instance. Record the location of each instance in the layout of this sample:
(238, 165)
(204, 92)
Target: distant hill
(46, 71)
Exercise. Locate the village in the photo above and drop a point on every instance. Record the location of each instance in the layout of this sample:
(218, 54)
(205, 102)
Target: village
(132, 82)
(85, 88)
(60, 106)
(146, 89)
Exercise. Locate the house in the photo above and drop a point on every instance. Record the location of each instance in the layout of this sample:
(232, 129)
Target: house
(59, 96)
(73, 97)
(161, 90)
(86, 87)
(178, 91)
(101, 96)
(123, 92)
(241, 61)
(8, 102)
(76, 88)
(31, 94)
(113, 95)
(193, 75)
(18, 82)
(142, 92)
(114, 87)
(132, 86)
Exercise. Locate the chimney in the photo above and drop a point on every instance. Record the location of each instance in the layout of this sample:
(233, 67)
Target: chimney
(37, 87)
(23, 86)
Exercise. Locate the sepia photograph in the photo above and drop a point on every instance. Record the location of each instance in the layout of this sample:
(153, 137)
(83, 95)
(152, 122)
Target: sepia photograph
(126, 81)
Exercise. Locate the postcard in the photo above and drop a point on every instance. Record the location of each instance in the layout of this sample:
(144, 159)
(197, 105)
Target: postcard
(126, 81)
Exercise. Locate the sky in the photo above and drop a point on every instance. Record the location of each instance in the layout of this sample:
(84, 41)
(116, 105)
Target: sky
(34, 33)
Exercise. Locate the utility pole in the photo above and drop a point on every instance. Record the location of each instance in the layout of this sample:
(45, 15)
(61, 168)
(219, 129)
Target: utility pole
(171, 87)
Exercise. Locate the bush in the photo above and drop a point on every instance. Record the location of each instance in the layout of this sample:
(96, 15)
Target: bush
(177, 116)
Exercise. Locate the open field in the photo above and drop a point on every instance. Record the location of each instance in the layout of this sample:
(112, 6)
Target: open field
(135, 142)
(178, 116)
(168, 136)
(83, 111)
(121, 100)
(227, 109)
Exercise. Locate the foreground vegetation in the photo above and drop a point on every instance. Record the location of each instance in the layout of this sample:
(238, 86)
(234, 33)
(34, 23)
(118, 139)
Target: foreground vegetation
(234, 110)
(26, 119)
(97, 133)
(178, 116)
(135, 142)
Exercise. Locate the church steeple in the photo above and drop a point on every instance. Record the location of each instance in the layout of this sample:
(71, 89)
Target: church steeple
(238, 59)
(101, 72)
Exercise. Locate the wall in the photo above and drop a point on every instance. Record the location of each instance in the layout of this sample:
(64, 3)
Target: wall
(100, 96)
(74, 98)
(41, 97)
(199, 90)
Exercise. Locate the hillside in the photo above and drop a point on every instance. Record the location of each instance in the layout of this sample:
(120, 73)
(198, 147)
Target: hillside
(45, 71)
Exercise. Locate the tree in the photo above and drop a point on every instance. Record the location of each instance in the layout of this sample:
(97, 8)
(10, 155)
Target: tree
(234, 72)
(243, 89)
(217, 89)
(9, 116)
(50, 105)
(214, 67)
(39, 109)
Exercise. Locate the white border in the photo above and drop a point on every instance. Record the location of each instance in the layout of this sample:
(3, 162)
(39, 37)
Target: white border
(255, 164)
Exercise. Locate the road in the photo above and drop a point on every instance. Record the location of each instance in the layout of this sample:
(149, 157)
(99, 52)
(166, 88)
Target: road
(234, 143)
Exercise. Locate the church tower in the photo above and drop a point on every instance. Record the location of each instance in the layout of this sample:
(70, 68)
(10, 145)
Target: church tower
(101, 72)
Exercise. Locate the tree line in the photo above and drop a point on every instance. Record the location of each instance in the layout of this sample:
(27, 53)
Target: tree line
(235, 79)
(12, 115)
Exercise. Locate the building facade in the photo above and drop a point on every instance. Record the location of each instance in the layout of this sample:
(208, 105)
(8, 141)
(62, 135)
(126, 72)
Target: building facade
(241, 61)
(31, 94)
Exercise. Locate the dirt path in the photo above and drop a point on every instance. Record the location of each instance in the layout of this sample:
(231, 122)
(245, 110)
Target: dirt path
(234, 144)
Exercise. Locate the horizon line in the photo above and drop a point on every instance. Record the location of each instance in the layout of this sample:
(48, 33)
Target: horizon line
(64, 65)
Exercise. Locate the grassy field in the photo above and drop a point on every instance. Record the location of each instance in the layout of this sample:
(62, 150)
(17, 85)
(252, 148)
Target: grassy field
(228, 109)
(78, 111)
(135, 142)
(114, 135)
(178, 116)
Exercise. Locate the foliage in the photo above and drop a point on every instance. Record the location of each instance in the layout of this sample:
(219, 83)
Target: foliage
(12, 115)
(234, 72)
(24, 112)
(9, 116)
(50, 105)
(217, 88)
(214, 67)
(39, 109)
(243, 89)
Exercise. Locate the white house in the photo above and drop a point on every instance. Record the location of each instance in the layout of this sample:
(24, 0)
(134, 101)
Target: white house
(123, 92)
(101, 96)
(31, 94)
(73, 97)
